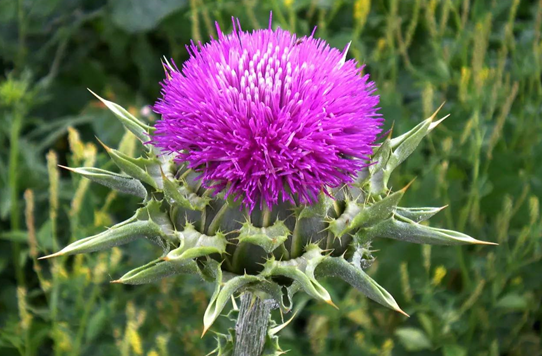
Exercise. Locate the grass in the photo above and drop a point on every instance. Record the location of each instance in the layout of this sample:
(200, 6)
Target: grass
(482, 58)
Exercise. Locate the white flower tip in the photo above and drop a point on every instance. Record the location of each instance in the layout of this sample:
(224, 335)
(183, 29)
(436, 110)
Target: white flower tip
(60, 253)
(345, 52)
(436, 123)
(402, 312)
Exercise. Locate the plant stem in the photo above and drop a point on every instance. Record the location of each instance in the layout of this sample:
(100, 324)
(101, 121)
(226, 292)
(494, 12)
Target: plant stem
(89, 304)
(14, 196)
(251, 327)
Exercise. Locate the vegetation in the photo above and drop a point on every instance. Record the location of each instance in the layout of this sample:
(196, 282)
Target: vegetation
(482, 58)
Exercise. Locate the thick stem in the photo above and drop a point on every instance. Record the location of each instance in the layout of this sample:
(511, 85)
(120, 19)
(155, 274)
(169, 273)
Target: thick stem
(251, 327)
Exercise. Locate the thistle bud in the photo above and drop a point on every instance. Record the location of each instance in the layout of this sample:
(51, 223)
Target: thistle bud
(263, 174)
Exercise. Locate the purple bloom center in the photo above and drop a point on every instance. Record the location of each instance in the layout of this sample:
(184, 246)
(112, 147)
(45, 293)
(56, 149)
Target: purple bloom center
(268, 117)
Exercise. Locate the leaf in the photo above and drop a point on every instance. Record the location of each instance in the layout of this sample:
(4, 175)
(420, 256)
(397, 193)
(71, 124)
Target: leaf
(96, 323)
(195, 244)
(274, 291)
(407, 145)
(361, 216)
(454, 350)
(142, 15)
(8, 11)
(418, 214)
(111, 238)
(148, 222)
(130, 122)
(4, 199)
(413, 339)
(381, 156)
(357, 278)
(179, 194)
(341, 225)
(513, 301)
(297, 269)
(377, 185)
(15, 236)
(426, 323)
(137, 168)
(268, 238)
(378, 211)
(404, 145)
(3, 264)
(156, 270)
(410, 231)
(123, 184)
(222, 296)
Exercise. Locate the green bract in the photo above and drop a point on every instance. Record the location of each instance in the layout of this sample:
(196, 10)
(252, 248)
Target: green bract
(275, 252)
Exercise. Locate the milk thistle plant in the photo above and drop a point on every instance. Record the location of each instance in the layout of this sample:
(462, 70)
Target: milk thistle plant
(263, 177)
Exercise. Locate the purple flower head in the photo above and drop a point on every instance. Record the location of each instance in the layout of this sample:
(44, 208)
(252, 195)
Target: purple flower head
(267, 116)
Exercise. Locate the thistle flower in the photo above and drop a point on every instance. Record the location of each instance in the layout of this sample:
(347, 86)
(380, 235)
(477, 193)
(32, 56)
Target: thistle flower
(284, 127)
(267, 116)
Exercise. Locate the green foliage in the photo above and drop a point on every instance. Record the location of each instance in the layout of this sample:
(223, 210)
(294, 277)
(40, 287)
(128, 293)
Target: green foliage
(482, 57)
(141, 15)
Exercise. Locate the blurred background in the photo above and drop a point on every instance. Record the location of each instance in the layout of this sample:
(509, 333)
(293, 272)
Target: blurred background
(483, 58)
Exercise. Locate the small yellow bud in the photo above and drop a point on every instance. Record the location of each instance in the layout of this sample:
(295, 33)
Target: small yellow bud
(440, 272)
(100, 270)
(101, 218)
(483, 75)
(447, 145)
(135, 340)
(12, 91)
(60, 271)
(534, 210)
(381, 44)
(464, 84)
(427, 99)
(90, 152)
(24, 315)
(46, 285)
(133, 110)
(76, 145)
(62, 337)
(161, 342)
(361, 11)
(426, 253)
(388, 345)
(116, 255)
(360, 338)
